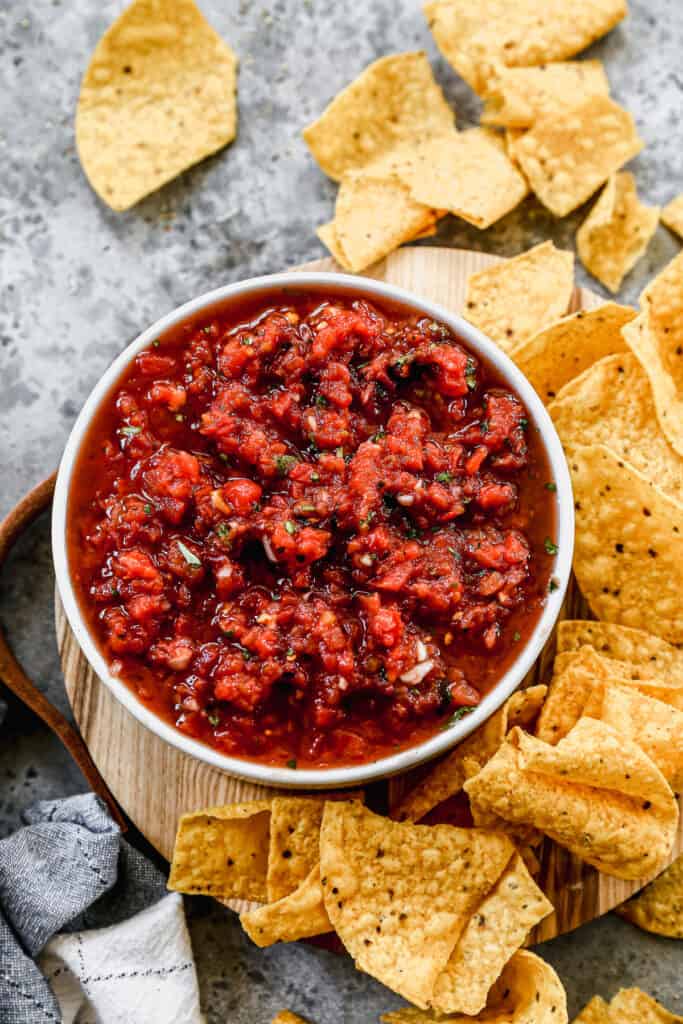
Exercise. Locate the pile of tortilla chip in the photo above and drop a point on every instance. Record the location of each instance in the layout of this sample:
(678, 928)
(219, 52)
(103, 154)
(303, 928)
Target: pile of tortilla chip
(629, 1006)
(435, 913)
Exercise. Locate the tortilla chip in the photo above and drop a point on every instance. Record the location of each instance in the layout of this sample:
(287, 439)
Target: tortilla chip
(616, 232)
(629, 544)
(567, 158)
(513, 300)
(287, 1017)
(527, 992)
(467, 173)
(517, 97)
(672, 215)
(647, 679)
(562, 351)
(611, 404)
(223, 852)
(399, 895)
(394, 101)
(512, 137)
(476, 35)
(658, 907)
(646, 655)
(327, 233)
(158, 96)
(595, 793)
(595, 1012)
(299, 915)
(631, 1006)
(657, 340)
(494, 933)
(373, 216)
(448, 776)
(294, 842)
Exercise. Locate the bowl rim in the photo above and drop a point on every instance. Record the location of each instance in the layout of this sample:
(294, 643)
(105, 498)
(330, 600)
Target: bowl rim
(351, 775)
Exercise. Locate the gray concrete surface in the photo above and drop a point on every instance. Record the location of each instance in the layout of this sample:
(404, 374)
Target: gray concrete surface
(78, 281)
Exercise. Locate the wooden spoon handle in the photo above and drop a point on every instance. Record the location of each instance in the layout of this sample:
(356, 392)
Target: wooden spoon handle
(13, 675)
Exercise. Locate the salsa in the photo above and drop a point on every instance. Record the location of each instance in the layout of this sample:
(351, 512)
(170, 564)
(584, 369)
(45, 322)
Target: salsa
(309, 529)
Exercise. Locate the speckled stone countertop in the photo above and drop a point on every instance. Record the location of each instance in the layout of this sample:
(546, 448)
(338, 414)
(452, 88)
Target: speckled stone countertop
(78, 282)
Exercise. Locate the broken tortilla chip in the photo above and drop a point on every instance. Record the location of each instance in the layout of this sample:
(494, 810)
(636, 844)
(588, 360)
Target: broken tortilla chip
(294, 842)
(477, 35)
(394, 101)
(223, 852)
(467, 173)
(513, 300)
(637, 650)
(658, 907)
(595, 793)
(672, 215)
(298, 915)
(611, 404)
(656, 337)
(617, 231)
(633, 1006)
(158, 96)
(647, 679)
(595, 1012)
(527, 992)
(400, 895)
(448, 776)
(567, 158)
(629, 544)
(562, 351)
(517, 97)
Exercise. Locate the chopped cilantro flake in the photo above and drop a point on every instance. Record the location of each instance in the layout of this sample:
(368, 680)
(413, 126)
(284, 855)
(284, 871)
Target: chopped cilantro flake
(130, 431)
(444, 478)
(284, 463)
(550, 546)
(188, 555)
(292, 763)
(290, 527)
(550, 486)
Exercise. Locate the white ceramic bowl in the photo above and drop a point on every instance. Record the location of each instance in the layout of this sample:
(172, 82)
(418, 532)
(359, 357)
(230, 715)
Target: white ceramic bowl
(356, 774)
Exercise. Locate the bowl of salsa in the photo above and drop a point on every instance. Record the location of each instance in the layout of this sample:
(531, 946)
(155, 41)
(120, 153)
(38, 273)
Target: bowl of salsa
(312, 529)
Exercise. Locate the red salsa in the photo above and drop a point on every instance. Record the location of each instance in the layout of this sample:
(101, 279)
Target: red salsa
(309, 529)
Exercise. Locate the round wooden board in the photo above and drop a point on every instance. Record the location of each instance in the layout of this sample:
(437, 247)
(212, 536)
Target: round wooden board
(155, 783)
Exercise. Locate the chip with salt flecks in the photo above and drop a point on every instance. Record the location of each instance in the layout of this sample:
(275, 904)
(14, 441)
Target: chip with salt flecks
(672, 215)
(560, 352)
(617, 231)
(648, 679)
(527, 992)
(467, 173)
(394, 101)
(494, 933)
(658, 907)
(157, 97)
(294, 843)
(629, 544)
(517, 97)
(642, 653)
(657, 339)
(477, 35)
(399, 895)
(513, 300)
(223, 851)
(298, 915)
(611, 403)
(567, 158)
(595, 793)
(448, 776)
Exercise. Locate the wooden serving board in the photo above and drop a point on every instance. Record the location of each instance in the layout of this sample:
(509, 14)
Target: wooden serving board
(155, 783)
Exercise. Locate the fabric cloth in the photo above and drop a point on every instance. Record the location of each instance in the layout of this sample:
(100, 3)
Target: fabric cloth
(124, 955)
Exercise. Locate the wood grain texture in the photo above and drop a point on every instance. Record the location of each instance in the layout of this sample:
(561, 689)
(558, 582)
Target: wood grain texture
(156, 783)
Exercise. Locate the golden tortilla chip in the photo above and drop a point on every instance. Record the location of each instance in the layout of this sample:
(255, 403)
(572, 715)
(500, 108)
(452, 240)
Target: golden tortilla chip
(513, 300)
(477, 35)
(656, 337)
(567, 158)
(467, 173)
(595, 1012)
(616, 232)
(631, 1006)
(672, 215)
(635, 649)
(298, 915)
(158, 96)
(658, 907)
(629, 544)
(447, 777)
(527, 992)
(494, 933)
(399, 895)
(394, 101)
(294, 842)
(223, 852)
(562, 351)
(517, 97)
(611, 404)
(588, 664)
(287, 1017)
(595, 793)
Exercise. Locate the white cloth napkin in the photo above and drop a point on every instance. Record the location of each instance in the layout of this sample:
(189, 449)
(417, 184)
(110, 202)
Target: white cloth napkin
(141, 970)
